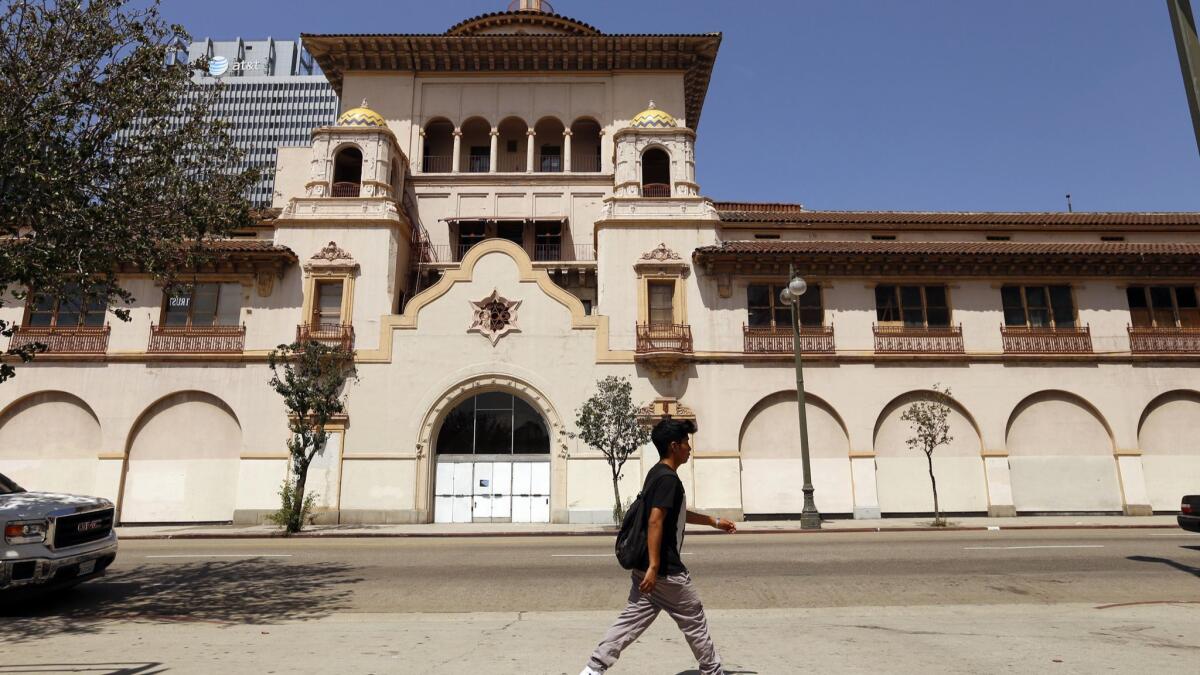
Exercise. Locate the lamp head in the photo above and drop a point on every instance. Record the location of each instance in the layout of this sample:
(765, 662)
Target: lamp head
(797, 286)
(785, 296)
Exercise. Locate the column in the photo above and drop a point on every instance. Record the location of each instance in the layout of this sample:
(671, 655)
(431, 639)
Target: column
(529, 143)
(567, 150)
(419, 161)
(454, 161)
(495, 150)
(603, 152)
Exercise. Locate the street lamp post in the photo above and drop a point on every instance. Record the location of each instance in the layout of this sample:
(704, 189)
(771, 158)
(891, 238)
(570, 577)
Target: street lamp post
(810, 518)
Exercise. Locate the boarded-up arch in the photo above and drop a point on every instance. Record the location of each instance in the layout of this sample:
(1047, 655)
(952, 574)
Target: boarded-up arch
(1060, 453)
(772, 474)
(1171, 448)
(902, 473)
(182, 462)
(49, 442)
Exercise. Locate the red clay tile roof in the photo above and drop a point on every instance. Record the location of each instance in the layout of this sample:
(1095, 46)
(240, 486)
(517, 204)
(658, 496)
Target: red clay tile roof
(745, 212)
(249, 246)
(988, 248)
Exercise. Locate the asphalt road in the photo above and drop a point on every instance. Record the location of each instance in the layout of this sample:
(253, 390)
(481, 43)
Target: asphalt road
(247, 579)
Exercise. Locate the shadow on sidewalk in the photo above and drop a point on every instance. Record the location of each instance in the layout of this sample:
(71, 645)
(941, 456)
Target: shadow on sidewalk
(140, 668)
(251, 591)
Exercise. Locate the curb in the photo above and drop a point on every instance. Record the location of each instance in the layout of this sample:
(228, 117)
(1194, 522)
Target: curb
(609, 533)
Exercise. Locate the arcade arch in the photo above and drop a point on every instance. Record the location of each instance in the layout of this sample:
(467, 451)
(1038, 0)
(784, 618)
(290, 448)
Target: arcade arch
(1171, 448)
(49, 442)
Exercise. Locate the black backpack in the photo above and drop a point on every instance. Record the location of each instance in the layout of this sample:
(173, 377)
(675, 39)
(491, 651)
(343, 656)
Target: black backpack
(631, 547)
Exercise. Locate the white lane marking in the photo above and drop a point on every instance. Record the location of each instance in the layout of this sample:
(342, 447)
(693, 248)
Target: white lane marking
(223, 555)
(1177, 534)
(589, 555)
(1013, 548)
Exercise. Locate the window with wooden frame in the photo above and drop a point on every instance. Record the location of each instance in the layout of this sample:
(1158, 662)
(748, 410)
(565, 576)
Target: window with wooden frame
(470, 234)
(72, 309)
(1163, 306)
(207, 304)
(1038, 306)
(766, 310)
(327, 305)
(661, 302)
(912, 306)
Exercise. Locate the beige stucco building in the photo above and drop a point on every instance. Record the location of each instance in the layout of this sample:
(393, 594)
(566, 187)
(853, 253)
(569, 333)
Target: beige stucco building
(507, 219)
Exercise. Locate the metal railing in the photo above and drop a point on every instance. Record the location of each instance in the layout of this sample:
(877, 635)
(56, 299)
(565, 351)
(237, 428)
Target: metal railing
(667, 337)
(779, 339)
(550, 163)
(563, 252)
(585, 164)
(197, 339)
(918, 339)
(437, 164)
(331, 334)
(479, 164)
(511, 163)
(1163, 340)
(73, 340)
(1046, 340)
(656, 190)
(344, 189)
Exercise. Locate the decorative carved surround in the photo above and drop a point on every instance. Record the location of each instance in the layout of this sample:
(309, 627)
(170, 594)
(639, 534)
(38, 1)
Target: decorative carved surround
(662, 261)
(331, 258)
(665, 406)
(494, 317)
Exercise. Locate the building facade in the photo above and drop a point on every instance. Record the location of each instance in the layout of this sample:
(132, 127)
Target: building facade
(274, 97)
(512, 214)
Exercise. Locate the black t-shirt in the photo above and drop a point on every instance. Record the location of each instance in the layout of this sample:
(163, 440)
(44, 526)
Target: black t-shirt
(664, 490)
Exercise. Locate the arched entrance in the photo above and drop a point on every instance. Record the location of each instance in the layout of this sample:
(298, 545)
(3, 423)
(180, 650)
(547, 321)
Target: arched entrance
(492, 455)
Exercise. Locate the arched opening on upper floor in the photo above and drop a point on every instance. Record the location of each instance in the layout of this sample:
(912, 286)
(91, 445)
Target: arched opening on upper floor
(511, 144)
(656, 173)
(475, 150)
(585, 146)
(438, 148)
(347, 172)
(548, 135)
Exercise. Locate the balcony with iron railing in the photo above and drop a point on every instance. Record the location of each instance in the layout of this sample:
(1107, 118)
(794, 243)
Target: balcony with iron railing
(1164, 340)
(658, 190)
(437, 164)
(197, 339)
(585, 163)
(63, 340)
(340, 335)
(780, 340)
(899, 339)
(665, 337)
(550, 163)
(478, 164)
(452, 253)
(1046, 339)
(511, 163)
(345, 190)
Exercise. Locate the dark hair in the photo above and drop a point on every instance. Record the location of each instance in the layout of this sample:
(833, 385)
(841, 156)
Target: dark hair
(669, 430)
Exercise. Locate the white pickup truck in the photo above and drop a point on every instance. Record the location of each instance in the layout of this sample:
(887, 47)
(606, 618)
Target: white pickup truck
(53, 539)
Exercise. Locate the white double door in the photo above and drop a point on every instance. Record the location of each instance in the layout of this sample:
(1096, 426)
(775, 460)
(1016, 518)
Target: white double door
(492, 491)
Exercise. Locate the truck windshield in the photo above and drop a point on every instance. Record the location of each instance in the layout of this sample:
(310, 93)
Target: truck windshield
(8, 487)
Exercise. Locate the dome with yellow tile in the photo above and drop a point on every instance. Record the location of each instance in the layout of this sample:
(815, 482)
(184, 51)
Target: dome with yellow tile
(362, 116)
(652, 118)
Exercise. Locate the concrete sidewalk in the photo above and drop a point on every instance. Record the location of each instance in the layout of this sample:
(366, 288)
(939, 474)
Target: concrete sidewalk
(544, 529)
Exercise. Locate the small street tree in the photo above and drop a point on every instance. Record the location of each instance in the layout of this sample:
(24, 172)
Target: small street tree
(95, 129)
(311, 377)
(929, 420)
(608, 422)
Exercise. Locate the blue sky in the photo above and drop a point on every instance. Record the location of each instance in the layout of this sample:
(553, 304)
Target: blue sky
(880, 104)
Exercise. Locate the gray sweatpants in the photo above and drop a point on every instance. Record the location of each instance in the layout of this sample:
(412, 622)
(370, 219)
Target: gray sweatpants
(678, 598)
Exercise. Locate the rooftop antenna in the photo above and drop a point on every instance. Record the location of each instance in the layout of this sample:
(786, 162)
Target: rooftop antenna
(1069, 209)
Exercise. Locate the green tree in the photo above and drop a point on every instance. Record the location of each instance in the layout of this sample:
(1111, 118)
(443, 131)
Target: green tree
(608, 422)
(93, 126)
(311, 378)
(929, 420)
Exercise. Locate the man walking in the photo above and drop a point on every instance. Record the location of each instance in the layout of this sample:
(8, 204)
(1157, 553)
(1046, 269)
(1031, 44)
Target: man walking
(663, 584)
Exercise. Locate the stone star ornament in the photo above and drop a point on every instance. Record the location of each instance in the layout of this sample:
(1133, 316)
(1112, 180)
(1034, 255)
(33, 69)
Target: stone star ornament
(494, 316)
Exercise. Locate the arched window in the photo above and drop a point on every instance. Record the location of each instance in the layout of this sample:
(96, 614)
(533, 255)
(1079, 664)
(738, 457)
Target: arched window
(437, 153)
(493, 423)
(656, 173)
(585, 146)
(347, 172)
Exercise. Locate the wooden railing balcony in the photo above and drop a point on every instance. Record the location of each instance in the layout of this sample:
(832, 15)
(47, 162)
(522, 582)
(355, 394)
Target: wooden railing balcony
(73, 340)
(667, 337)
(1163, 340)
(1046, 340)
(197, 339)
(656, 190)
(344, 190)
(331, 334)
(779, 339)
(918, 339)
